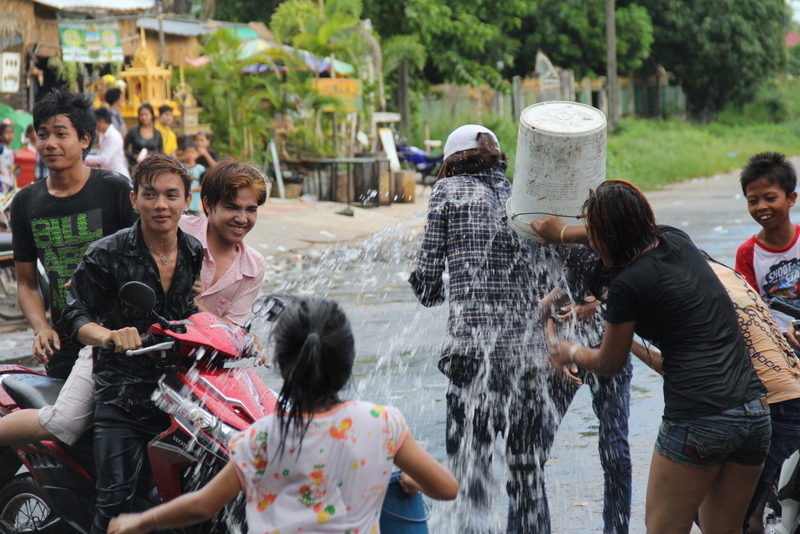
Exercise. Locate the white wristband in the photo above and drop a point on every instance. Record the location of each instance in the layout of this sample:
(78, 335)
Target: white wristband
(573, 350)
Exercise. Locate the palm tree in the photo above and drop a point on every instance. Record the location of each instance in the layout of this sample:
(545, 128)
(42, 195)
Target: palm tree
(323, 28)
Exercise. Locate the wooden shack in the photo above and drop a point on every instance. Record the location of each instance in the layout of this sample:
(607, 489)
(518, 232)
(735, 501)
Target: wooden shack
(183, 37)
(29, 31)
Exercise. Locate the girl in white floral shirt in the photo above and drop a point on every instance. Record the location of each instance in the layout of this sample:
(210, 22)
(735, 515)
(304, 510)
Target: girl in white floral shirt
(318, 464)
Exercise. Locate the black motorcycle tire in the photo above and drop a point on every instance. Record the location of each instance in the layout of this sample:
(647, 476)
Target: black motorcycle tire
(24, 507)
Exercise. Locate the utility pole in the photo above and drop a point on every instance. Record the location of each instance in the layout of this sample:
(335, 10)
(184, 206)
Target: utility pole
(612, 84)
(161, 33)
(404, 100)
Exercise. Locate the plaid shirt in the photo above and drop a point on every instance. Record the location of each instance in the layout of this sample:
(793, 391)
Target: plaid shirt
(492, 288)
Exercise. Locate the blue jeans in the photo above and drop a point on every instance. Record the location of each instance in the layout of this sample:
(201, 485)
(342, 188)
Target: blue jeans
(611, 403)
(740, 434)
(785, 440)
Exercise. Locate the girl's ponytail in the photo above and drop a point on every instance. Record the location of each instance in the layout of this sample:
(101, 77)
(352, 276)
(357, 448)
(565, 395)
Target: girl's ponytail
(314, 349)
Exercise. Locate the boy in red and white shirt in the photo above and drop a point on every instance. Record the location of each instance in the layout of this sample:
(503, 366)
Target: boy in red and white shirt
(770, 260)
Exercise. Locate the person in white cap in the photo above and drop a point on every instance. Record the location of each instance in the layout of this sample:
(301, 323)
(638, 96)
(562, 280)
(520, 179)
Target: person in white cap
(493, 353)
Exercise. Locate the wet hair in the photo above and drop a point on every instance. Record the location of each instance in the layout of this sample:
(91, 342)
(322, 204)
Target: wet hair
(189, 144)
(143, 174)
(145, 105)
(222, 183)
(486, 156)
(102, 114)
(74, 106)
(166, 108)
(772, 167)
(620, 221)
(315, 351)
(112, 95)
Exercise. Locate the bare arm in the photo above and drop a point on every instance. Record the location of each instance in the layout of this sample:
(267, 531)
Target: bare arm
(426, 474)
(550, 304)
(188, 509)
(566, 372)
(553, 231)
(610, 358)
(209, 158)
(793, 336)
(123, 339)
(31, 302)
(650, 356)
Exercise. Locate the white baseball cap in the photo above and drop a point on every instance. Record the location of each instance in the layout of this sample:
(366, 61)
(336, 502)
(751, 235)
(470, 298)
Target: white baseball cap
(464, 138)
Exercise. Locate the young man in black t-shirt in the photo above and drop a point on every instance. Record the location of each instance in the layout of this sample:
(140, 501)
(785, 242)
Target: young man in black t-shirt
(56, 219)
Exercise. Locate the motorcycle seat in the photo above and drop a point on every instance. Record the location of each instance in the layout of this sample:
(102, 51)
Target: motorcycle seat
(32, 391)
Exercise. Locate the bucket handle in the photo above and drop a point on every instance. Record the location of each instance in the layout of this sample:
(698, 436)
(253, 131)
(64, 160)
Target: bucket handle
(514, 216)
(409, 519)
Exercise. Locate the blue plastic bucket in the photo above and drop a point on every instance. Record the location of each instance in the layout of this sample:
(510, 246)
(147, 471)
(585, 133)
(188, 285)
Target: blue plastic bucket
(403, 513)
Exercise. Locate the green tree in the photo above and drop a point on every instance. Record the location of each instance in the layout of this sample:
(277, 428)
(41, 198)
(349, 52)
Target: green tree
(322, 28)
(246, 10)
(467, 42)
(720, 50)
(793, 61)
(572, 33)
(241, 107)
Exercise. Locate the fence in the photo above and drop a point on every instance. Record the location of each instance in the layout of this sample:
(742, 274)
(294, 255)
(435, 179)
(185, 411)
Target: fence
(649, 97)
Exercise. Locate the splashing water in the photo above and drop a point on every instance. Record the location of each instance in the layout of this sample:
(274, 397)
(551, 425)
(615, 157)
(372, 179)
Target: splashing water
(398, 343)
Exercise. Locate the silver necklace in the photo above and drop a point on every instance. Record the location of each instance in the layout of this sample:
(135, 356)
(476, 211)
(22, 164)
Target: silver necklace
(164, 260)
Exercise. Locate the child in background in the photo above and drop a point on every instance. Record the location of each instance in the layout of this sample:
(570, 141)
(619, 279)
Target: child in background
(164, 125)
(319, 464)
(770, 260)
(7, 178)
(208, 158)
(190, 155)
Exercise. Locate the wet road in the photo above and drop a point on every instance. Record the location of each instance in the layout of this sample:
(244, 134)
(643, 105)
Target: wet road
(398, 342)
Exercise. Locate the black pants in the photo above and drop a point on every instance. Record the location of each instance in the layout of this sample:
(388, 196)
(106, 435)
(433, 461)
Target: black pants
(482, 400)
(120, 448)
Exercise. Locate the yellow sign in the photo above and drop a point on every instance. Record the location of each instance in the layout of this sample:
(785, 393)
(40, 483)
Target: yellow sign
(348, 91)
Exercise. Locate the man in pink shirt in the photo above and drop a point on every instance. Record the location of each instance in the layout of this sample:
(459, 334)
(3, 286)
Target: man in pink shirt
(232, 271)
(231, 279)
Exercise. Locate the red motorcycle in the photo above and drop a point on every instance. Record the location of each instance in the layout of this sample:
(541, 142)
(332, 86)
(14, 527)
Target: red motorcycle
(48, 487)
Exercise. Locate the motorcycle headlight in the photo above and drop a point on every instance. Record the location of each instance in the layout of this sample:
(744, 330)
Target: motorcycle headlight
(210, 424)
(173, 402)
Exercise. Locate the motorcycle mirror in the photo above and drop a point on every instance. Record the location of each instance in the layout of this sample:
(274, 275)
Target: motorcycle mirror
(142, 297)
(138, 295)
(268, 307)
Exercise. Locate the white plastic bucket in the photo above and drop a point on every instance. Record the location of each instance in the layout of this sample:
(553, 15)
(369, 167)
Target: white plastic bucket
(561, 155)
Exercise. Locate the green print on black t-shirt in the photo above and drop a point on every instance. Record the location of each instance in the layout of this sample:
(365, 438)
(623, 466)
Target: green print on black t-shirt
(63, 241)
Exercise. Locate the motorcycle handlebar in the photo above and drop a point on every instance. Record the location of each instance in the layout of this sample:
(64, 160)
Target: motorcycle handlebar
(148, 340)
(783, 307)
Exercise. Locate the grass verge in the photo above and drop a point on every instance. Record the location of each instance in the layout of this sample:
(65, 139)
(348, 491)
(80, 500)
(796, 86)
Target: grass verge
(653, 153)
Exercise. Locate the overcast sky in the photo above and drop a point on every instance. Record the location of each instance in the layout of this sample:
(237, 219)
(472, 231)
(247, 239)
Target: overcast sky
(796, 6)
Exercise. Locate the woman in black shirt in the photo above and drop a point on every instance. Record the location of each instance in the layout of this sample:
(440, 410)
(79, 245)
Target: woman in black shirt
(715, 431)
(143, 135)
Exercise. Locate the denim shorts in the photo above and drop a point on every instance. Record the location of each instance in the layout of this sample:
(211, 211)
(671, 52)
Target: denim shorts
(740, 435)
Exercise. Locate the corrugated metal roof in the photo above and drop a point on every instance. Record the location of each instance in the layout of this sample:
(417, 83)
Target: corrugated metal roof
(194, 27)
(174, 27)
(99, 5)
